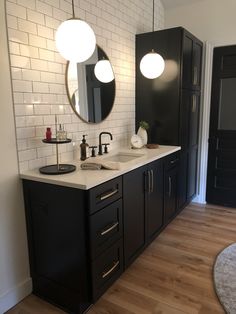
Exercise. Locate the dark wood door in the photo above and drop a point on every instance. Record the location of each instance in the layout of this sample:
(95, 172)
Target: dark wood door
(154, 199)
(134, 213)
(221, 177)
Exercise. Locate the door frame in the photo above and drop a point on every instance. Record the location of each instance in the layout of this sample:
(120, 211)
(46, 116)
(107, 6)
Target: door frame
(204, 122)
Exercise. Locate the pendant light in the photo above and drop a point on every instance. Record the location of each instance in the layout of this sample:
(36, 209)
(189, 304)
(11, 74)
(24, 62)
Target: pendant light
(152, 64)
(103, 71)
(75, 39)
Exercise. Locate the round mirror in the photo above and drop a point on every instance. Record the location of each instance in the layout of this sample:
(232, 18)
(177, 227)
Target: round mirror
(91, 87)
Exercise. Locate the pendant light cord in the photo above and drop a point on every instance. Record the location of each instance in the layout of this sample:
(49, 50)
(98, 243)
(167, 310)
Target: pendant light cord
(73, 9)
(153, 16)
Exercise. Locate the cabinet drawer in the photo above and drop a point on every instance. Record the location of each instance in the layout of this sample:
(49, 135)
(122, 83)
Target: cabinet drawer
(105, 194)
(171, 161)
(106, 269)
(106, 227)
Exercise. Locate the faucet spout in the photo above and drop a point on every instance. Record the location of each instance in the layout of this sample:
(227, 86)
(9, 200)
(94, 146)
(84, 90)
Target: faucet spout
(100, 141)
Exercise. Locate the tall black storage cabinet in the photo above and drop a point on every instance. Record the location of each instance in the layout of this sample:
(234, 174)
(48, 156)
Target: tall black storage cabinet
(170, 103)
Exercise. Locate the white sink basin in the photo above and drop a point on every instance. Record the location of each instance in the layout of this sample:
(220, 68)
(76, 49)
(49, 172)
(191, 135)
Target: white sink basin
(123, 157)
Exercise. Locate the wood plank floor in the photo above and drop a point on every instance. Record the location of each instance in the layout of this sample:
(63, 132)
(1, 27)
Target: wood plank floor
(172, 276)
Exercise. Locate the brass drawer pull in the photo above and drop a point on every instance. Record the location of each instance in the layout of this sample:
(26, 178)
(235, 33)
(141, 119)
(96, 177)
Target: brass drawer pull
(152, 181)
(194, 103)
(107, 195)
(115, 264)
(170, 187)
(195, 75)
(103, 232)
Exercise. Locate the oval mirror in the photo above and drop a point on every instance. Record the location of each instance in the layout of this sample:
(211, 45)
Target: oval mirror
(91, 87)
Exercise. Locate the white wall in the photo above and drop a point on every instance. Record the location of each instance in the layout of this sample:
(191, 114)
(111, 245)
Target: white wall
(38, 70)
(14, 273)
(209, 20)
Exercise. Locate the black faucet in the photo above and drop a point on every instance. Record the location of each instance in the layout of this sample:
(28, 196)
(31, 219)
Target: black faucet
(100, 141)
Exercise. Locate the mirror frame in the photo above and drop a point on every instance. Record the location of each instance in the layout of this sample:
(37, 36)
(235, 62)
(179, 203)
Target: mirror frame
(70, 99)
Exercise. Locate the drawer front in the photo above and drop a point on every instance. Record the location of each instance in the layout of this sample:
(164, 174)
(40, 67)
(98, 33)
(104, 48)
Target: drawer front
(171, 161)
(106, 269)
(105, 194)
(106, 227)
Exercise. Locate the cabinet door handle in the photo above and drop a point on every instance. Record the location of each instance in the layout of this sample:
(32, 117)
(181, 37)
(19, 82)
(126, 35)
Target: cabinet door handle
(170, 187)
(151, 181)
(115, 264)
(108, 194)
(194, 103)
(174, 161)
(146, 181)
(109, 229)
(195, 75)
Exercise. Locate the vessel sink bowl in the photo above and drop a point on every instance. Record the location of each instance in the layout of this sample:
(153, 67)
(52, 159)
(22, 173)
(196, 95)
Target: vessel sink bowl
(123, 157)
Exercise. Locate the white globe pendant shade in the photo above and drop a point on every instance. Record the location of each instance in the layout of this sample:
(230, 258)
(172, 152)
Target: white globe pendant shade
(75, 40)
(152, 65)
(103, 71)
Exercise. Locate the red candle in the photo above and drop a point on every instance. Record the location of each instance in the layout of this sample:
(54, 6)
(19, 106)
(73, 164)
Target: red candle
(48, 134)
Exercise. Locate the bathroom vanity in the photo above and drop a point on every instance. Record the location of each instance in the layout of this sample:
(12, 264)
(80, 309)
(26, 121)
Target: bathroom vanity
(85, 228)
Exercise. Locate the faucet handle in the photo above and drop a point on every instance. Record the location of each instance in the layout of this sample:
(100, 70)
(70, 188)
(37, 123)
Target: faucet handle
(106, 148)
(93, 154)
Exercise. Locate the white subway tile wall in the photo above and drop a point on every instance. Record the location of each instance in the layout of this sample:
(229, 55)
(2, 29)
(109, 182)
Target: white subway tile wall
(38, 71)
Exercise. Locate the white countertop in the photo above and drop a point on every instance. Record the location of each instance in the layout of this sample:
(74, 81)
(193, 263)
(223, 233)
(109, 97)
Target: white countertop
(87, 179)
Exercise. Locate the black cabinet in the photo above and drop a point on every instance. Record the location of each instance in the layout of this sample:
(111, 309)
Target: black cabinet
(106, 269)
(192, 59)
(106, 227)
(171, 189)
(81, 241)
(154, 199)
(171, 103)
(106, 234)
(143, 203)
(134, 190)
(59, 258)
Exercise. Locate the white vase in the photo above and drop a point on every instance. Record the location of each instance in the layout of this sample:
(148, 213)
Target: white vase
(143, 134)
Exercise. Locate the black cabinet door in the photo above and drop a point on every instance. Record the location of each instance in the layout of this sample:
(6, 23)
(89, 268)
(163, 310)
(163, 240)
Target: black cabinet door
(56, 227)
(187, 61)
(192, 60)
(134, 213)
(157, 101)
(154, 199)
(106, 227)
(197, 63)
(192, 173)
(194, 119)
(185, 109)
(182, 183)
(170, 193)
(106, 269)
(190, 109)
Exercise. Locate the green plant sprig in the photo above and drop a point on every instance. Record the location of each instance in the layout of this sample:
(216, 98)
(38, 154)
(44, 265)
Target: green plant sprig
(144, 125)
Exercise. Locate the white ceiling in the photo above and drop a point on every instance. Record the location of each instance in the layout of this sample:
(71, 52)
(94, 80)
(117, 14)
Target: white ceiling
(168, 4)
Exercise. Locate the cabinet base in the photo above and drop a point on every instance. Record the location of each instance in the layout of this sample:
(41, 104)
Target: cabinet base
(54, 169)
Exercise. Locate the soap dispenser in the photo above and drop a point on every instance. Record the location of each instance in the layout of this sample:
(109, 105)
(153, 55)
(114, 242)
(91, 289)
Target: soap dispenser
(84, 149)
